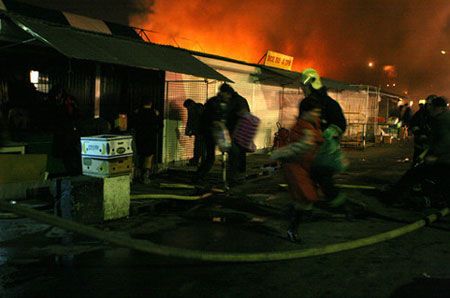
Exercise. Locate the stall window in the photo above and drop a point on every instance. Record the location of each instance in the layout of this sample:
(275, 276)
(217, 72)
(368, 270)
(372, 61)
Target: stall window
(40, 81)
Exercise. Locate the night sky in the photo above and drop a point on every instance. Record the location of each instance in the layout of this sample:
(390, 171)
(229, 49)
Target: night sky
(403, 38)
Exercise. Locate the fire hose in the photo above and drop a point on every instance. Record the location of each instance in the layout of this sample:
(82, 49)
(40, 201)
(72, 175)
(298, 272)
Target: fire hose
(169, 196)
(176, 197)
(153, 248)
(344, 186)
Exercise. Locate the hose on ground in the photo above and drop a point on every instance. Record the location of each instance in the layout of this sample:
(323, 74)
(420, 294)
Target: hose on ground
(186, 186)
(344, 186)
(152, 248)
(169, 196)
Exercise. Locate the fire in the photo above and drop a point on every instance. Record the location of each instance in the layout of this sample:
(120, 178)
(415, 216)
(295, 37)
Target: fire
(242, 30)
(334, 37)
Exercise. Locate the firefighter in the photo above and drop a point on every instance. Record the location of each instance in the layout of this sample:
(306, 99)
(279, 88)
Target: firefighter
(329, 159)
(420, 126)
(435, 168)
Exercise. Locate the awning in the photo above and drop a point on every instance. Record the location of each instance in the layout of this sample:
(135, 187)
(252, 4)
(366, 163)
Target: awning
(286, 78)
(337, 85)
(279, 77)
(9, 32)
(84, 45)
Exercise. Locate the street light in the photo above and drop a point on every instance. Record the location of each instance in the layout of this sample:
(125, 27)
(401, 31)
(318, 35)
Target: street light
(443, 52)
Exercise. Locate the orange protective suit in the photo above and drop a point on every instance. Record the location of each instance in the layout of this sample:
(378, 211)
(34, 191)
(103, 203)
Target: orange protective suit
(297, 172)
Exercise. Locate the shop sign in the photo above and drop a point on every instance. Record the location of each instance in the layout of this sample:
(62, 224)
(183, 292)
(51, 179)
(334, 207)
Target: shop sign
(278, 60)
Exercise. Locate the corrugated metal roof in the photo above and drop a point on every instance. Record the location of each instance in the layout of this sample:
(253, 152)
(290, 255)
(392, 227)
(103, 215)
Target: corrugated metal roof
(60, 17)
(10, 32)
(292, 79)
(86, 23)
(337, 85)
(84, 45)
(275, 76)
(280, 77)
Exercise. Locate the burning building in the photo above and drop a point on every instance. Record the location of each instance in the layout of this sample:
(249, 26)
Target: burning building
(109, 69)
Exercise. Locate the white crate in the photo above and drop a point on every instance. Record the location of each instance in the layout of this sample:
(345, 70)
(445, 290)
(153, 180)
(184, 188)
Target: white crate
(106, 146)
(107, 167)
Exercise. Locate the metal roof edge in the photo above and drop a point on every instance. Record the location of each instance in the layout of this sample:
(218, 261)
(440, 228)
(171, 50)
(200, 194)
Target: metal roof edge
(13, 15)
(56, 16)
(18, 19)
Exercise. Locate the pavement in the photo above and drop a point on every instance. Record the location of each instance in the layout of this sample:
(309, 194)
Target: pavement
(37, 260)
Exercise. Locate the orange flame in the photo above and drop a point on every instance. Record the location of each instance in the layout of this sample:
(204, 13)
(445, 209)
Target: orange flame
(242, 30)
(334, 37)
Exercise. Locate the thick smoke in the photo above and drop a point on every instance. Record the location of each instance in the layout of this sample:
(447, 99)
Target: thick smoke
(336, 37)
(118, 11)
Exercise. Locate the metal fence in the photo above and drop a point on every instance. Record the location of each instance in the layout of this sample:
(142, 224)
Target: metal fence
(290, 99)
(360, 106)
(176, 145)
(264, 102)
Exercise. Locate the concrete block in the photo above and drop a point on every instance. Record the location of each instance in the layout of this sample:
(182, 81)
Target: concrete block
(116, 197)
(98, 199)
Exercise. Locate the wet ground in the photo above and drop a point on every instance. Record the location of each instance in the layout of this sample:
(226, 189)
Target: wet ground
(37, 260)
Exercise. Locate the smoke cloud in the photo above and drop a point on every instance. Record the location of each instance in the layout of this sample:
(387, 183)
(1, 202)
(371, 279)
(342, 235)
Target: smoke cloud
(338, 38)
(118, 11)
